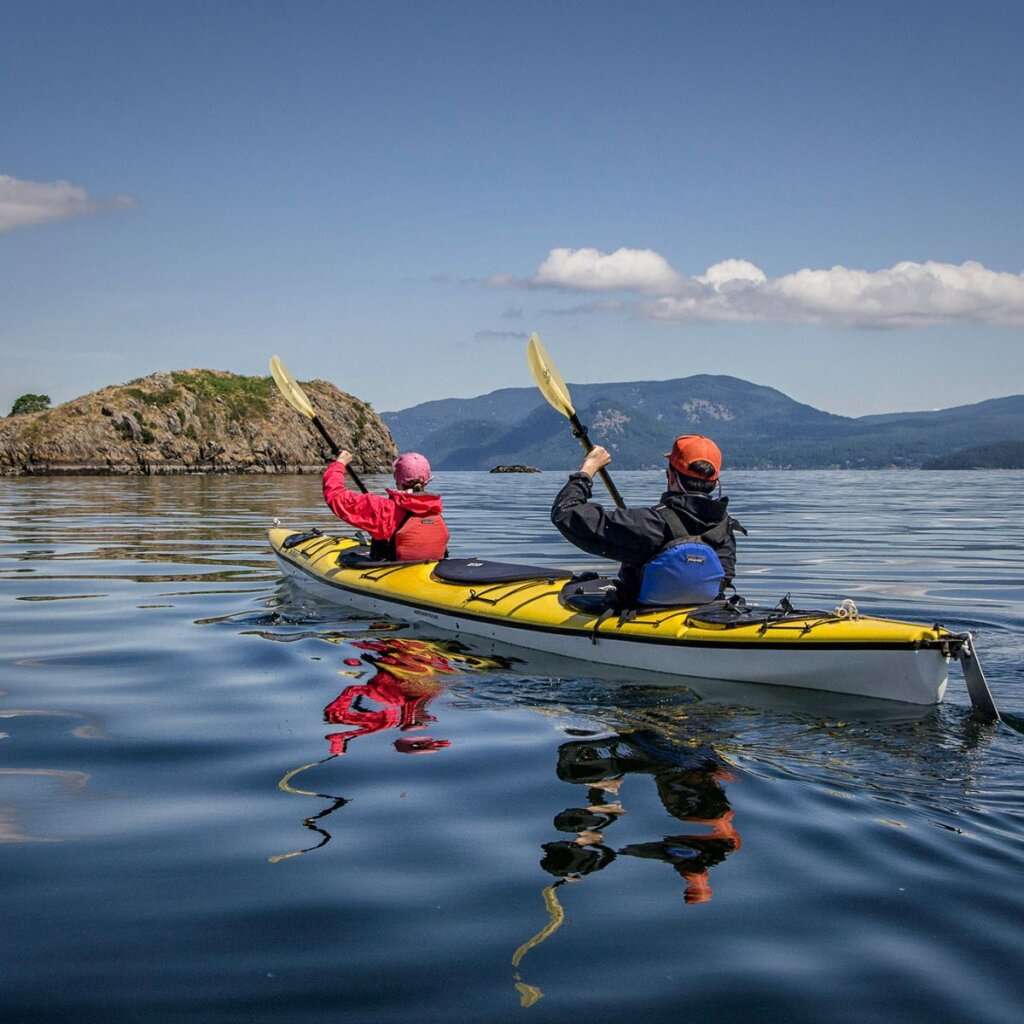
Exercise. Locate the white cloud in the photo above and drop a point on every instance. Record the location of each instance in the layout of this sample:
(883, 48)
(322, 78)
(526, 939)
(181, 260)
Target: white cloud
(641, 270)
(906, 294)
(732, 272)
(24, 203)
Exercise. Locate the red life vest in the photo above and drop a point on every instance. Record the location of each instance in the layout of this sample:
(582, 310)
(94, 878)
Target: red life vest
(421, 538)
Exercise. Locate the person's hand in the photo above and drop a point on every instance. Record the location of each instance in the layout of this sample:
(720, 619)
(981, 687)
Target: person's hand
(344, 457)
(597, 458)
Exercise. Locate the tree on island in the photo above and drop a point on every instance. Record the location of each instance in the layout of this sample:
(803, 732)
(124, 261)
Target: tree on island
(30, 403)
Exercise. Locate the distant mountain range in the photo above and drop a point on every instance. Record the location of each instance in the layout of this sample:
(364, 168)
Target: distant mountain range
(757, 427)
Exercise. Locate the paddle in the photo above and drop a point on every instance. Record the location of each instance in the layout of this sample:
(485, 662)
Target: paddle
(977, 685)
(553, 388)
(299, 401)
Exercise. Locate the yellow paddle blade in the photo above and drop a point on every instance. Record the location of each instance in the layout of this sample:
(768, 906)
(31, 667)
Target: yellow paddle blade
(289, 388)
(548, 379)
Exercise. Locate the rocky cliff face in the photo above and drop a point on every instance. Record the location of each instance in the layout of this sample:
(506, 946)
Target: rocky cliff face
(192, 421)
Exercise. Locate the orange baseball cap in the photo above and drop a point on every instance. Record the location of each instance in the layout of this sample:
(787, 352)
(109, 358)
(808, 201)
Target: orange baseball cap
(690, 448)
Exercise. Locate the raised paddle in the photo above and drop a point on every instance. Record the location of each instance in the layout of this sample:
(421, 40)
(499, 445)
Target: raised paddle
(553, 388)
(299, 401)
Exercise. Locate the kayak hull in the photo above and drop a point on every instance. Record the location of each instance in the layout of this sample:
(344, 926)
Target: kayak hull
(872, 658)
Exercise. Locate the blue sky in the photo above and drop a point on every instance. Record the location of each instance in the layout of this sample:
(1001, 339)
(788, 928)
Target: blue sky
(392, 196)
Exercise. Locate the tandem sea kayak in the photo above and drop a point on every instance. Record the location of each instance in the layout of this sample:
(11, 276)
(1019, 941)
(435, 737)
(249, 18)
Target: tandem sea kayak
(566, 614)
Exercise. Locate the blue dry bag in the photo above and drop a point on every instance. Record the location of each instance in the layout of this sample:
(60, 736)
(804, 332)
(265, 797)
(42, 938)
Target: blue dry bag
(685, 572)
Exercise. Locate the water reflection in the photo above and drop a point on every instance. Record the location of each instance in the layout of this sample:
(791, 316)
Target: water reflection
(405, 680)
(689, 781)
(689, 784)
(16, 783)
(310, 822)
(407, 675)
(72, 782)
(395, 679)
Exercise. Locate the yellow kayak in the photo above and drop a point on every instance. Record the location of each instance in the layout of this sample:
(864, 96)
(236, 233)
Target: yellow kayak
(552, 610)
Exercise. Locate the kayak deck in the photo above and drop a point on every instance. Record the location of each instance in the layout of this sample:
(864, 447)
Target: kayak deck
(862, 655)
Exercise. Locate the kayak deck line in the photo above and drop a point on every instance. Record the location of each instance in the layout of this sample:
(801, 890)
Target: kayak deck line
(862, 655)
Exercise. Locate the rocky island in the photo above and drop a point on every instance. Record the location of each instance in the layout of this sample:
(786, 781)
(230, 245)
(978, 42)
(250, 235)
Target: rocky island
(515, 469)
(192, 421)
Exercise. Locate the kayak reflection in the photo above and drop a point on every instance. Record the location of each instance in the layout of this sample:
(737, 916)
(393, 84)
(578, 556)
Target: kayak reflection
(689, 783)
(408, 674)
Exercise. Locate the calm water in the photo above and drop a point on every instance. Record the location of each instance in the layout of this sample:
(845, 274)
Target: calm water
(220, 801)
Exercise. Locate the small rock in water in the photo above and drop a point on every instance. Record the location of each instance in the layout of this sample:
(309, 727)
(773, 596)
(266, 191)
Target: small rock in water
(515, 469)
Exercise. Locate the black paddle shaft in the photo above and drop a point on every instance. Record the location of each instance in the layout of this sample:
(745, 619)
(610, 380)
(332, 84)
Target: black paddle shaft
(318, 423)
(580, 432)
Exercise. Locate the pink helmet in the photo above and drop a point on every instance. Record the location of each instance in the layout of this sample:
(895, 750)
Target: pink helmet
(411, 468)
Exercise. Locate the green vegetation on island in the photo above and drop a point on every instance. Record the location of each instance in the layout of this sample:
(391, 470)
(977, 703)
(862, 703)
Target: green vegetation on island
(29, 403)
(242, 396)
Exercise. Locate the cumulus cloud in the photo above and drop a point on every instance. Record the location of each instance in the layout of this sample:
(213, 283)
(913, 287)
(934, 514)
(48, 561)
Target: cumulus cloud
(906, 294)
(641, 270)
(24, 203)
(590, 270)
(729, 273)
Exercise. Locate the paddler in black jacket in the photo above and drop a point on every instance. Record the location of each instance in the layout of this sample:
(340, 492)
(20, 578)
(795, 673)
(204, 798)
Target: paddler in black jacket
(634, 536)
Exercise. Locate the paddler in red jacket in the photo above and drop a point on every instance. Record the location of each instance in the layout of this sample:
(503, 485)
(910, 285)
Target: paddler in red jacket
(407, 525)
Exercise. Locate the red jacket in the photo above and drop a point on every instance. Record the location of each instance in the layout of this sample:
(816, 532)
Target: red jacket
(378, 516)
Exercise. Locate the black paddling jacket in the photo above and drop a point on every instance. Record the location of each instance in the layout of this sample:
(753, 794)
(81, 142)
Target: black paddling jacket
(633, 536)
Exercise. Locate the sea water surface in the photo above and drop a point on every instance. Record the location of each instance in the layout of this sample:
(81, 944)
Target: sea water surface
(223, 801)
